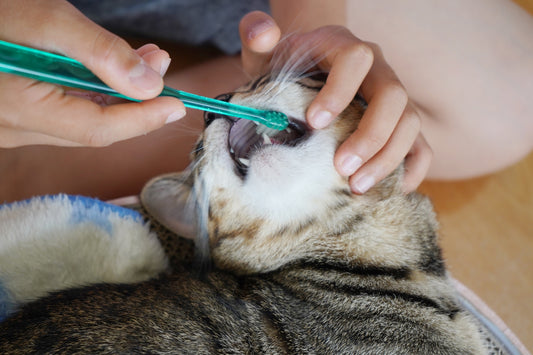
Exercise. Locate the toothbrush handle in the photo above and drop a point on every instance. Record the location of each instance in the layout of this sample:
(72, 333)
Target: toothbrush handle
(58, 69)
(52, 68)
(212, 105)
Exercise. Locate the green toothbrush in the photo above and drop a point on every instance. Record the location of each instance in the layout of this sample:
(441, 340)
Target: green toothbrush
(58, 69)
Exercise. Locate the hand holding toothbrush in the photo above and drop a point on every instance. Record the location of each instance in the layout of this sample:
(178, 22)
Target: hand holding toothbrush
(41, 113)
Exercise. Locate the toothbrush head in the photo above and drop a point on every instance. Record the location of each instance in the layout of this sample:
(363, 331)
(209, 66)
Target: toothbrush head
(275, 119)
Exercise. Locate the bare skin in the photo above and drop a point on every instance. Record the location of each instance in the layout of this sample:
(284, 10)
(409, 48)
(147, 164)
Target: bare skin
(458, 115)
(476, 63)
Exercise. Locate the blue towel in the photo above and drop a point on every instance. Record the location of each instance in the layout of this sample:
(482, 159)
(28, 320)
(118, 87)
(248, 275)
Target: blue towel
(56, 242)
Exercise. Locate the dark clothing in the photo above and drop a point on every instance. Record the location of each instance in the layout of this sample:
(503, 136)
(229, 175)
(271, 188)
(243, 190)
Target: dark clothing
(196, 22)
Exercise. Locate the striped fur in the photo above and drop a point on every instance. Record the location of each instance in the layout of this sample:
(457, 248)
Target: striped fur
(298, 263)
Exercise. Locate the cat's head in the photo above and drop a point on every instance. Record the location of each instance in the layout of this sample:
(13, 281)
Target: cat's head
(259, 198)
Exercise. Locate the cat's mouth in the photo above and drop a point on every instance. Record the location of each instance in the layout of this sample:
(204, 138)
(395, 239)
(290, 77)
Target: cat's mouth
(246, 137)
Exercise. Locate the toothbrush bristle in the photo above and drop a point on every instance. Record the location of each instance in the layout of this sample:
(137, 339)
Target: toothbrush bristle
(265, 130)
(277, 120)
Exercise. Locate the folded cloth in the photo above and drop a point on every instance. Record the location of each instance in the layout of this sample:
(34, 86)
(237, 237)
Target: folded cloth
(56, 242)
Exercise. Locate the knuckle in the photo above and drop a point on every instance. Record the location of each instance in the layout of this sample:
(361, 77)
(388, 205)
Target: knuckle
(366, 51)
(341, 30)
(427, 153)
(361, 51)
(391, 163)
(104, 48)
(413, 121)
(394, 90)
(376, 142)
(332, 103)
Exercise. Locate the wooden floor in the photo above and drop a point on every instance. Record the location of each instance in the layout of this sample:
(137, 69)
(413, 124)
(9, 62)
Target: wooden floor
(487, 239)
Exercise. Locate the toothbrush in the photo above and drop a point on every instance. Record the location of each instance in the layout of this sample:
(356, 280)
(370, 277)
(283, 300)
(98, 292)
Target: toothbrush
(58, 69)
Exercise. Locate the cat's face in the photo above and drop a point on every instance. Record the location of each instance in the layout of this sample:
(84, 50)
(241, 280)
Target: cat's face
(276, 176)
(260, 196)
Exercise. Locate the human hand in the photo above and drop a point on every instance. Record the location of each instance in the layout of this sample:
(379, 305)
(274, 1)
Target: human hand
(389, 131)
(34, 112)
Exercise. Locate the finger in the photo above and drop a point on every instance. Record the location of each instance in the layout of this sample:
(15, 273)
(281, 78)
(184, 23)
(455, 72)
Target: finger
(387, 102)
(147, 48)
(44, 108)
(416, 164)
(100, 126)
(259, 35)
(64, 29)
(157, 59)
(348, 62)
(390, 156)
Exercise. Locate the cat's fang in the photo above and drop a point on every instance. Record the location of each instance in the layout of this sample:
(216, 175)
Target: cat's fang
(266, 139)
(244, 161)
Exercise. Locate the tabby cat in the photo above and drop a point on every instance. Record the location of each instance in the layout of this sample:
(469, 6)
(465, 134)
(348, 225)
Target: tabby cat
(291, 260)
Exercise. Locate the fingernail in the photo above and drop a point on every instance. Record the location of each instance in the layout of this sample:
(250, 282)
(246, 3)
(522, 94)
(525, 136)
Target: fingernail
(175, 116)
(363, 184)
(144, 77)
(350, 164)
(164, 66)
(257, 28)
(321, 119)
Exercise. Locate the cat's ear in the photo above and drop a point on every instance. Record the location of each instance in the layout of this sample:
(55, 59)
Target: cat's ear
(170, 201)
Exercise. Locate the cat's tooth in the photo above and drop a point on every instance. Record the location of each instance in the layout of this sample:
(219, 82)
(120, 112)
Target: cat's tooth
(244, 161)
(288, 130)
(266, 139)
(231, 150)
(260, 129)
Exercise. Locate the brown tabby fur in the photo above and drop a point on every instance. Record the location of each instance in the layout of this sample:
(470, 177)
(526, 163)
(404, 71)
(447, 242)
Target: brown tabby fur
(298, 263)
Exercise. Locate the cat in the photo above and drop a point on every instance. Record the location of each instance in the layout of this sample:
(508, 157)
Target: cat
(291, 261)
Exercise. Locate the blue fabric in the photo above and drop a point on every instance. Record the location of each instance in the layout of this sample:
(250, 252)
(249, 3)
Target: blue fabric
(195, 22)
(63, 216)
(6, 303)
(83, 203)
(86, 209)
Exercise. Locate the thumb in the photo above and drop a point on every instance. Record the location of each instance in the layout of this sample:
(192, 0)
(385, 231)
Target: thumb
(259, 35)
(65, 30)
